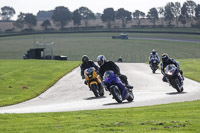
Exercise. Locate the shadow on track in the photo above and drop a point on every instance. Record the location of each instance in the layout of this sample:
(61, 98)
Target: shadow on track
(176, 93)
(115, 103)
(91, 98)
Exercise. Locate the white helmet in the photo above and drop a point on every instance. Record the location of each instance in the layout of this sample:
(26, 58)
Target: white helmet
(101, 60)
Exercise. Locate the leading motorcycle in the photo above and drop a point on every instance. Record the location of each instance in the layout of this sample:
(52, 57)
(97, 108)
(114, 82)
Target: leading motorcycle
(154, 64)
(94, 81)
(174, 77)
(116, 87)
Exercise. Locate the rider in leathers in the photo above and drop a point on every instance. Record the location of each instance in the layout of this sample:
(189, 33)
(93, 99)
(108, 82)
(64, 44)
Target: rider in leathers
(153, 54)
(166, 61)
(110, 65)
(86, 63)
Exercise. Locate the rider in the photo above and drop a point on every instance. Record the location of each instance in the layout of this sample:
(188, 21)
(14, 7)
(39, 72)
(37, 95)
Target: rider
(166, 61)
(120, 59)
(86, 63)
(110, 65)
(152, 55)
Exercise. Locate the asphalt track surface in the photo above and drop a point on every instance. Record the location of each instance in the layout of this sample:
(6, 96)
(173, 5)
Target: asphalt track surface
(71, 94)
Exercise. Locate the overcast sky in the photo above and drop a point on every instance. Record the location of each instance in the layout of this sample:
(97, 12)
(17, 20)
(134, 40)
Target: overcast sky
(33, 6)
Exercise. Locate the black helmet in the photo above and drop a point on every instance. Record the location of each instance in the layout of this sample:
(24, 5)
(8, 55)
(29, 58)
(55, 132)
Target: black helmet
(85, 59)
(153, 51)
(165, 57)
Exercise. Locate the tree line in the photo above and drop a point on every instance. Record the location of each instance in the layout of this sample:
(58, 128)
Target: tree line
(61, 16)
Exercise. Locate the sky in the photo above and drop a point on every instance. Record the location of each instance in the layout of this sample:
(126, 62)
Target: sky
(33, 6)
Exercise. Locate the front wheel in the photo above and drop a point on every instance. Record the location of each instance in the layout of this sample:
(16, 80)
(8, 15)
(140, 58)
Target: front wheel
(94, 88)
(116, 94)
(154, 70)
(101, 90)
(178, 86)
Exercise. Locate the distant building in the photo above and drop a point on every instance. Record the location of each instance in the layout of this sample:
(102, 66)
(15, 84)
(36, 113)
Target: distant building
(43, 15)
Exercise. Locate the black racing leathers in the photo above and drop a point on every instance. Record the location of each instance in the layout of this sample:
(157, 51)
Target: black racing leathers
(110, 65)
(86, 66)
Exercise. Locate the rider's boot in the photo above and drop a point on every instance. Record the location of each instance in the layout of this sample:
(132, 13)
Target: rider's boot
(129, 86)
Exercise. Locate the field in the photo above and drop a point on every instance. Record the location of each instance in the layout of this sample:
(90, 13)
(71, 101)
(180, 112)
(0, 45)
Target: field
(76, 45)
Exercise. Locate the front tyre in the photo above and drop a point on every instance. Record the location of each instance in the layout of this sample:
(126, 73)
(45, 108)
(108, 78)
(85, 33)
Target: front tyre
(101, 90)
(154, 70)
(116, 94)
(94, 88)
(178, 86)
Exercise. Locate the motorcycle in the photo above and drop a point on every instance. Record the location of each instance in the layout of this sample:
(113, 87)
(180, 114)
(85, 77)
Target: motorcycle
(116, 87)
(174, 77)
(94, 81)
(154, 64)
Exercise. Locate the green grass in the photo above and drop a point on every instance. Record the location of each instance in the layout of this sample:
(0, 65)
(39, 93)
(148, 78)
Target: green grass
(176, 117)
(191, 68)
(21, 80)
(76, 45)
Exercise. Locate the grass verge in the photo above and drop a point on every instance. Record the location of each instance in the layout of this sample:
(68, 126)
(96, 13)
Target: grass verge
(191, 68)
(176, 117)
(21, 80)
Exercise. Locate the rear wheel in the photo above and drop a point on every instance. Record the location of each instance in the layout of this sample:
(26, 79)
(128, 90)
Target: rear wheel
(94, 88)
(116, 94)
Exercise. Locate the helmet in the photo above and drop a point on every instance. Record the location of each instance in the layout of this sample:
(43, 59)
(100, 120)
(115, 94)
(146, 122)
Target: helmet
(101, 60)
(165, 57)
(85, 59)
(153, 51)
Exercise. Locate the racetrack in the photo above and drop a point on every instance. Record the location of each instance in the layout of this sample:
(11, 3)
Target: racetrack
(71, 94)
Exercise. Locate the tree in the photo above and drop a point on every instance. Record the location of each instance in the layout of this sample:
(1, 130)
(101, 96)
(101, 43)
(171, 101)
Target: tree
(108, 16)
(184, 15)
(61, 16)
(98, 15)
(169, 16)
(124, 15)
(45, 24)
(137, 15)
(161, 11)
(177, 11)
(19, 23)
(7, 12)
(182, 19)
(76, 17)
(153, 15)
(197, 13)
(86, 15)
(30, 20)
(190, 5)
